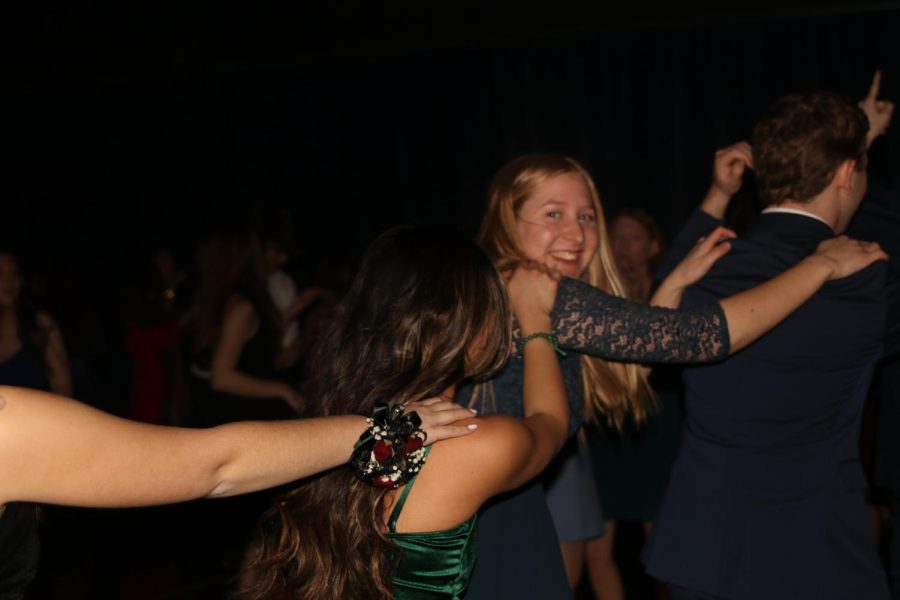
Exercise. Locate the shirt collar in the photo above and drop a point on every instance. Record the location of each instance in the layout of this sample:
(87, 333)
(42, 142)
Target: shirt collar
(795, 211)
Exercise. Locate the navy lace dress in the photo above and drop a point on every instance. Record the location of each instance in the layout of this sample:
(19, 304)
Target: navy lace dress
(517, 547)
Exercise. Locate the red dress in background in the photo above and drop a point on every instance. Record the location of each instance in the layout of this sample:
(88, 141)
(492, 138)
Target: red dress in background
(158, 384)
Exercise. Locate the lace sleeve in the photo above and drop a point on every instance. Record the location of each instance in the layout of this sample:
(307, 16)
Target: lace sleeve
(587, 319)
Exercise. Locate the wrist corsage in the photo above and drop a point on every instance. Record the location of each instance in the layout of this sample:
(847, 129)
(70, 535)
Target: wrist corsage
(392, 450)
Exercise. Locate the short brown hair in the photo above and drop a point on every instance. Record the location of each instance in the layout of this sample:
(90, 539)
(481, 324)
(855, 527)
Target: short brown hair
(801, 141)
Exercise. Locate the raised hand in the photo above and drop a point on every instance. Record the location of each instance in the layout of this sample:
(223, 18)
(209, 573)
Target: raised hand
(728, 169)
(878, 111)
(438, 416)
(846, 256)
(693, 267)
(532, 293)
(702, 257)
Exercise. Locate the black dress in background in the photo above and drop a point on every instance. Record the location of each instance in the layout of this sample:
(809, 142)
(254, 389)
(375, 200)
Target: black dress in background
(257, 359)
(221, 529)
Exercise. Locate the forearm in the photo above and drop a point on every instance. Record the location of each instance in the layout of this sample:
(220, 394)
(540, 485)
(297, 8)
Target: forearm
(715, 203)
(668, 294)
(588, 320)
(241, 384)
(262, 455)
(752, 313)
(545, 405)
(60, 451)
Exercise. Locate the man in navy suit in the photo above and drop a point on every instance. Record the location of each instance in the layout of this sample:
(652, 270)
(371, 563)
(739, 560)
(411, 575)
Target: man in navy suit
(766, 498)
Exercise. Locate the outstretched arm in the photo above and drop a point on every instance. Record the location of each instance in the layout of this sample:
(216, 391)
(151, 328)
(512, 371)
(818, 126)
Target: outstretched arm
(589, 320)
(754, 312)
(60, 451)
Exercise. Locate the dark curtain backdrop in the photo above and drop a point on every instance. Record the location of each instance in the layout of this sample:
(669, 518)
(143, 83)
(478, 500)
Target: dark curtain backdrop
(354, 146)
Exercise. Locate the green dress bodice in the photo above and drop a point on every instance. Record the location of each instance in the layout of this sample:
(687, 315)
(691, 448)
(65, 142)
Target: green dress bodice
(435, 565)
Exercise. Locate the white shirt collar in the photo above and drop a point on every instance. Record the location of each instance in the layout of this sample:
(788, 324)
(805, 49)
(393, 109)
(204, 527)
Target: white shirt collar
(795, 211)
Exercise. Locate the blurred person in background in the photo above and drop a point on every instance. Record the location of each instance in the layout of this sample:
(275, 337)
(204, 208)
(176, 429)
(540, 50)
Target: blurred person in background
(32, 352)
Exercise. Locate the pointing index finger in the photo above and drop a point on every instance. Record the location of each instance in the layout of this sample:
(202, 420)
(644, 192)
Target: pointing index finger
(876, 85)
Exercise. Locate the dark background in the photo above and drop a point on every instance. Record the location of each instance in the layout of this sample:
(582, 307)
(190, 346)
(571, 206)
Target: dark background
(128, 125)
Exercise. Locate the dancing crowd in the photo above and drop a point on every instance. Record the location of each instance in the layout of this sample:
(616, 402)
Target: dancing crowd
(477, 417)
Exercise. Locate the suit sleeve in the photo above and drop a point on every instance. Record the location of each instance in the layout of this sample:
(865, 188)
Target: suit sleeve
(588, 320)
(878, 220)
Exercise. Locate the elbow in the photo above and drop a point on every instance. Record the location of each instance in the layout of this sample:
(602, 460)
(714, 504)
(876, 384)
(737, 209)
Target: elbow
(222, 489)
(559, 434)
(223, 471)
(561, 439)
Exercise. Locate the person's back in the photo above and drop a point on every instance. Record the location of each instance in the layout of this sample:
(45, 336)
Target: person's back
(821, 351)
(766, 496)
(427, 311)
(769, 447)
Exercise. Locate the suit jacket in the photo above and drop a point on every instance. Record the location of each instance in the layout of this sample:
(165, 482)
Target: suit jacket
(766, 499)
(878, 220)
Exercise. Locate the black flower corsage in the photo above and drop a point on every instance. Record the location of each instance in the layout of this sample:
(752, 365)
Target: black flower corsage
(392, 450)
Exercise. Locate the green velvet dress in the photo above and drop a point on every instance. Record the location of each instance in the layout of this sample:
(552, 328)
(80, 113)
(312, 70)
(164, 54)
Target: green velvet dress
(435, 565)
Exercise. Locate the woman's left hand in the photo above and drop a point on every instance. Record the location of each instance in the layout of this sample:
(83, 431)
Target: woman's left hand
(439, 417)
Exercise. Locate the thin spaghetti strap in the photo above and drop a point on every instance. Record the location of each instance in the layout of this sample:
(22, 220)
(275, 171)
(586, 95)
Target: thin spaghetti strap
(398, 506)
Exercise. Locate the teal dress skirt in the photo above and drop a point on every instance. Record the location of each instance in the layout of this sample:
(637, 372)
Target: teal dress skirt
(434, 565)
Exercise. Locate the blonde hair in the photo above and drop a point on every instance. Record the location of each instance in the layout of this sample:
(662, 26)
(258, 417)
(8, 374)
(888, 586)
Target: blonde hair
(613, 390)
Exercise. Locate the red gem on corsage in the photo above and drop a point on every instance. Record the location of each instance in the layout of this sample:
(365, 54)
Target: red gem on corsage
(413, 443)
(382, 451)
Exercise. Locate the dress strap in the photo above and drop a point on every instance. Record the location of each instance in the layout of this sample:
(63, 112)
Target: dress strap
(398, 506)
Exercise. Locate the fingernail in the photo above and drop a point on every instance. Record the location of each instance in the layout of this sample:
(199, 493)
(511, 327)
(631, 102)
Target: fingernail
(472, 426)
(475, 412)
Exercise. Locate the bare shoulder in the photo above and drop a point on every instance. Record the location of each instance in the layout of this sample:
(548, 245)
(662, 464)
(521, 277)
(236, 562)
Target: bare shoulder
(462, 473)
(497, 437)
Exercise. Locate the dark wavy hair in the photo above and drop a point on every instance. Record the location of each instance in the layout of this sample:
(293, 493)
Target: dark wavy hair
(801, 141)
(426, 311)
